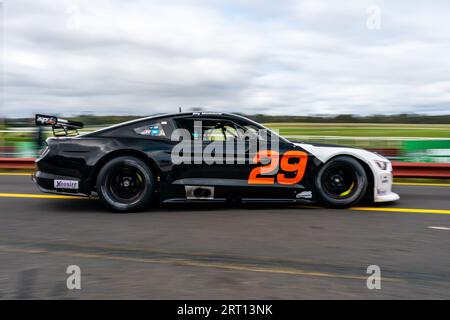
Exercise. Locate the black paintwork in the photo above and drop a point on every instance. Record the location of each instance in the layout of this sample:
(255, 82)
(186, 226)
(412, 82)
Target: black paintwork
(80, 158)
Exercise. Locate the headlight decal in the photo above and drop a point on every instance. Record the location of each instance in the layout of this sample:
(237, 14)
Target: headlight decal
(383, 165)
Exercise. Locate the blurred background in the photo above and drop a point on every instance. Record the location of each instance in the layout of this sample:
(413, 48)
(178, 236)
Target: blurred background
(365, 73)
(370, 74)
(406, 138)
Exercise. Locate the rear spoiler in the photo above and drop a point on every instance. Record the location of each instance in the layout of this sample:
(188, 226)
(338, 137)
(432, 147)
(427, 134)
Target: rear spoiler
(60, 127)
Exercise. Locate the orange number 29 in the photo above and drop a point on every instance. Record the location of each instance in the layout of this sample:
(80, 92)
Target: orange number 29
(268, 169)
(298, 167)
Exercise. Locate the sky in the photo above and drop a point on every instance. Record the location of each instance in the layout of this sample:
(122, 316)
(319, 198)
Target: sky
(285, 57)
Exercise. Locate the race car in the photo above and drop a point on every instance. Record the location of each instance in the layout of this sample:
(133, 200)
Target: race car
(204, 157)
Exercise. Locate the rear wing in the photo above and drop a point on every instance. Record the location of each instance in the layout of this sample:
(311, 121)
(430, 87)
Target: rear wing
(60, 127)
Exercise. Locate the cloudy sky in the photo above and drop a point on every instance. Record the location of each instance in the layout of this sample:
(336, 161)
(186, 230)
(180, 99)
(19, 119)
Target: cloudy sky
(252, 56)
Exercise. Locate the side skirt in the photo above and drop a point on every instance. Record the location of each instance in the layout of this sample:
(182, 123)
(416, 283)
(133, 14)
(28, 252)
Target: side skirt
(244, 200)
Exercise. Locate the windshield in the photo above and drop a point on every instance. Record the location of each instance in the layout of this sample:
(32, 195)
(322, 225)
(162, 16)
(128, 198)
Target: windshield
(255, 127)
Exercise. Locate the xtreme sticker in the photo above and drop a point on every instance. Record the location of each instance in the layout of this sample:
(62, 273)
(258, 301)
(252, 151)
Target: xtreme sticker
(66, 184)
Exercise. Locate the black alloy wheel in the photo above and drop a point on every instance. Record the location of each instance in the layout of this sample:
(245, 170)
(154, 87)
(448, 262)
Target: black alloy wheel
(125, 184)
(341, 182)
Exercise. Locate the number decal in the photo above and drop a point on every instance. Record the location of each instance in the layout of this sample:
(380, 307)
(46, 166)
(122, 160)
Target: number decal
(298, 167)
(254, 177)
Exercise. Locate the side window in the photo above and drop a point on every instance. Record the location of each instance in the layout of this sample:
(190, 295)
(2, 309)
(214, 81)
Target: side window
(188, 124)
(211, 130)
(251, 131)
(155, 129)
(212, 133)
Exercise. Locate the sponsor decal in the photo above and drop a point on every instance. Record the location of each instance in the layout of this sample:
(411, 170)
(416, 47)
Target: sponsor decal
(304, 195)
(206, 113)
(66, 184)
(46, 120)
(386, 179)
(151, 131)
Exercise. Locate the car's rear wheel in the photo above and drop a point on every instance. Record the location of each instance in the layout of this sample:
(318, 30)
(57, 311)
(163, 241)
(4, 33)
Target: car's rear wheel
(125, 184)
(341, 182)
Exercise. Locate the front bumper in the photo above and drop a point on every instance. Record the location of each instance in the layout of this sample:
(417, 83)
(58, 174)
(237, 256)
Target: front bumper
(383, 187)
(392, 196)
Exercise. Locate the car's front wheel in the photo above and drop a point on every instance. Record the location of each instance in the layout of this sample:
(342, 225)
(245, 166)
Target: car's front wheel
(341, 182)
(125, 184)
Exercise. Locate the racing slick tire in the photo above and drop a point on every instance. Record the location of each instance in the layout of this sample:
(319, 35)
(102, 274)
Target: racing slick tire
(125, 184)
(341, 182)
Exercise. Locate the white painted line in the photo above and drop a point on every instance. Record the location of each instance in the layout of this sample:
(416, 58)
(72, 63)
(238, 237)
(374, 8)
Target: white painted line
(439, 228)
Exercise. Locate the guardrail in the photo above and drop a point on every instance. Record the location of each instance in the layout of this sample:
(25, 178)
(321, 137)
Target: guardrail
(421, 170)
(400, 169)
(16, 163)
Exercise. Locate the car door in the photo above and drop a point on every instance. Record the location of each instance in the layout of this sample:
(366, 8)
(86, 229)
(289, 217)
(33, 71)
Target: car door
(275, 170)
(204, 161)
(238, 161)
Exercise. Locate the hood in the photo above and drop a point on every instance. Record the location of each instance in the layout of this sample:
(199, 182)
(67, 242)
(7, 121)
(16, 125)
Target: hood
(325, 152)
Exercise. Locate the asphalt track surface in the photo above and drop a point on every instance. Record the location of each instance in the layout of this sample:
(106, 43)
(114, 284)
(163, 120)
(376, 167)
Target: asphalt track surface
(223, 252)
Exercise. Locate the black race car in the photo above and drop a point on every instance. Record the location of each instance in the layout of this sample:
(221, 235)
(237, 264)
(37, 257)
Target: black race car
(203, 157)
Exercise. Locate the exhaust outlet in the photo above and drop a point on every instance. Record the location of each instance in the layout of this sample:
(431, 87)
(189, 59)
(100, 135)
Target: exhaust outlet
(199, 193)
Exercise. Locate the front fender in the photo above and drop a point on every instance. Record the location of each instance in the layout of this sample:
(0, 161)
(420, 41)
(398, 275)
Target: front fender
(383, 179)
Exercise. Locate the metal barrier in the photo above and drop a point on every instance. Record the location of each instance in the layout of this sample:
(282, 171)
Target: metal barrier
(421, 170)
(401, 169)
(16, 163)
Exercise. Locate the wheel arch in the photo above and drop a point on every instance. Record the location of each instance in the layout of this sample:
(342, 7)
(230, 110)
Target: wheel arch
(369, 195)
(124, 152)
